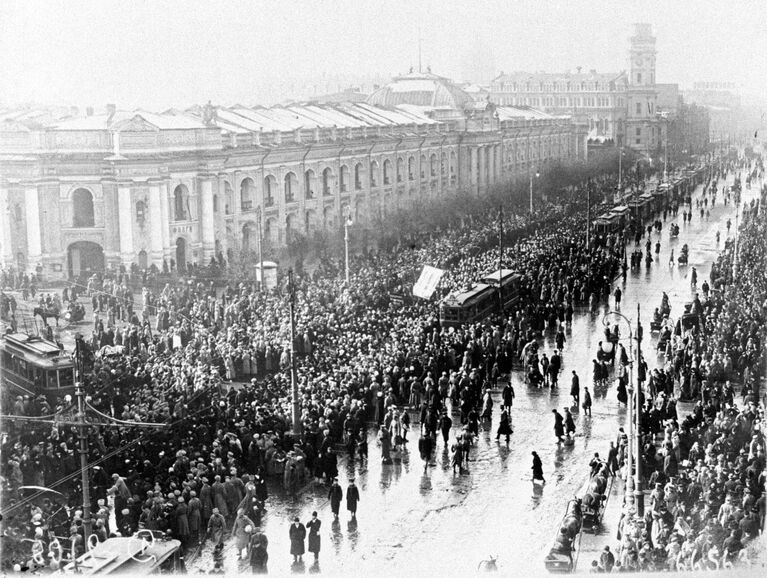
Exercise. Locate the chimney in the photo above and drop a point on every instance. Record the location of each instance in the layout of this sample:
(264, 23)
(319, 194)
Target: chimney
(111, 109)
(89, 111)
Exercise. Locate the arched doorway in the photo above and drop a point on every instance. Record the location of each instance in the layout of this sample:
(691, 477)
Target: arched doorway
(142, 260)
(84, 258)
(181, 254)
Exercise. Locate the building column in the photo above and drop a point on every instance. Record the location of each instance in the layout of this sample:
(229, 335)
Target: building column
(207, 220)
(167, 249)
(156, 223)
(125, 210)
(482, 152)
(6, 238)
(473, 163)
(34, 243)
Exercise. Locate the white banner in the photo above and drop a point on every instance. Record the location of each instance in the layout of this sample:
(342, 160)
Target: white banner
(427, 282)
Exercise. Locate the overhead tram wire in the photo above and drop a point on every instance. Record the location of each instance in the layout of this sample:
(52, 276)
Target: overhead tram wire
(98, 461)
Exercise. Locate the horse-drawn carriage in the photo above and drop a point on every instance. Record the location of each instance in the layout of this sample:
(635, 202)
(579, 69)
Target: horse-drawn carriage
(593, 502)
(606, 350)
(559, 560)
(75, 312)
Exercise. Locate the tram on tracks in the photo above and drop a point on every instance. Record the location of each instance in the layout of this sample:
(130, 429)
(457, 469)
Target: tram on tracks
(32, 365)
(479, 302)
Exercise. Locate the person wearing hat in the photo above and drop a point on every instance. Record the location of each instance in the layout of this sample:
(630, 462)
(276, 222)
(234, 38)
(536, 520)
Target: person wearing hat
(335, 495)
(216, 527)
(182, 520)
(258, 552)
(297, 534)
(352, 498)
(559, 425)
(315, 542)
(241, 533)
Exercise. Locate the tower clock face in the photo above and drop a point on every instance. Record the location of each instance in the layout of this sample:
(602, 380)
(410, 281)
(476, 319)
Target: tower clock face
(637, 62)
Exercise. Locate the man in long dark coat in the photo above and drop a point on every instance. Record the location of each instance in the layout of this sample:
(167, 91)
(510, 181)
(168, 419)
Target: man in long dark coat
(297, 534)
(352, 498)
(335, 495)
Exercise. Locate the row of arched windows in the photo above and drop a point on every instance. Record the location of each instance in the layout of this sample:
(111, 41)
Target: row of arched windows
(376, 175)
(83, 210)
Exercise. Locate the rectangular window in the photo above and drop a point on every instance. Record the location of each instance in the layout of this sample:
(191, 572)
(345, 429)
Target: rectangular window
(639, 131)
(639, 141)
(639, 78)
(639, 108)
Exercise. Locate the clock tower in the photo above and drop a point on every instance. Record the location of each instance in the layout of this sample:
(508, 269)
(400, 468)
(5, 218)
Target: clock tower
(642, 128)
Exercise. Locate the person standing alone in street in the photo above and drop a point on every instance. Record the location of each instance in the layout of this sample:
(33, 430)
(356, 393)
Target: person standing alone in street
(586, 402)
(618, 295)
(537, 469)
(335, 495)
(575, 389)
(352, 498)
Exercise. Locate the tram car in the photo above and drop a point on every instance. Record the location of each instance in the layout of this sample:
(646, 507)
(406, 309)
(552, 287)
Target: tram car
(482, 300)
(146, 552)
(32, 365)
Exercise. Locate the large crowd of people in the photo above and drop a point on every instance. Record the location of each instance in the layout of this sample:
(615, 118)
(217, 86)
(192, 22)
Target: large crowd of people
(706, 472)
(179, 445)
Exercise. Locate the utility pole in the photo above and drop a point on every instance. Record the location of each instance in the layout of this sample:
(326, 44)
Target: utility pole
(630, 449)
(500, 256)
(735, 248)
(638, 491)
(620, 169)
(588, 216)
(82, 432)
(531, 192)
(293, 378)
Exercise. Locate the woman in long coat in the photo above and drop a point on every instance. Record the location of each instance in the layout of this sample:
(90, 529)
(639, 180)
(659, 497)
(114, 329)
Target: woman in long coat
(385, 437)
(504, 428)
(297, 533)
(313, 526)
(559, 425)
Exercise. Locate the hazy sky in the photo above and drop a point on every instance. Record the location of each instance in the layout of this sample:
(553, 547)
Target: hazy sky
(165, 53)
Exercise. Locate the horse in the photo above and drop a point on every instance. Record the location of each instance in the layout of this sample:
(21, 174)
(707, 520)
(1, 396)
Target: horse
(46, 313)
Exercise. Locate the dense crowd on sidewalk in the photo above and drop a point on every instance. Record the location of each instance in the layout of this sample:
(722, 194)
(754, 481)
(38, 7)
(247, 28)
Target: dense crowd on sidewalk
(706, 473)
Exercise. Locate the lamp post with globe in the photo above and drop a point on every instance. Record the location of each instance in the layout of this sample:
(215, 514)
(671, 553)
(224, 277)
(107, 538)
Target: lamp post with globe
(630, 482)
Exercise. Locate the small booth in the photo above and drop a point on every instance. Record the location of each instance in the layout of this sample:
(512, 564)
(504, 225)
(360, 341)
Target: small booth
(269, 274)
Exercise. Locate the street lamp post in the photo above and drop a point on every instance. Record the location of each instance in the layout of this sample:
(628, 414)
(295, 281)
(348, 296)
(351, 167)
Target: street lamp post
(293, 377)
(82, 432)
(347, 224)
(537, 174)
(260, 249)
(638, 491)
(632, 451)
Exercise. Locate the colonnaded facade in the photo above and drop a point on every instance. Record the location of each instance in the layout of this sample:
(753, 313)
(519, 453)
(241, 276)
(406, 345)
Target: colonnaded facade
(80, 193)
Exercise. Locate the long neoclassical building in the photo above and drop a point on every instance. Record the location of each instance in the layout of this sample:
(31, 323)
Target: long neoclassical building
(79, 193)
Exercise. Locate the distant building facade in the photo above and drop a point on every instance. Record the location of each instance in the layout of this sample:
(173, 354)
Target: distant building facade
(619, 107)
(82, 193)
